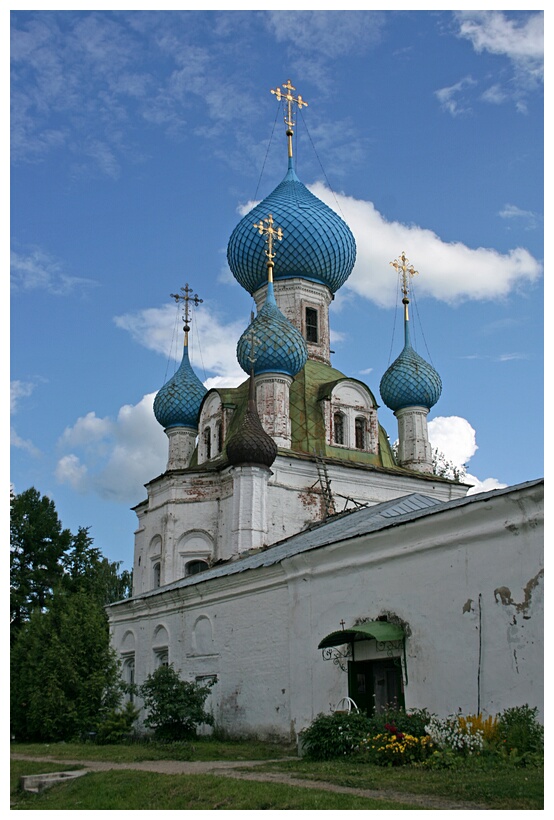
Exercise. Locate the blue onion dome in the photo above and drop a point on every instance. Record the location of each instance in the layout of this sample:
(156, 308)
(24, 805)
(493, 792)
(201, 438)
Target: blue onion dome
(177, 403)
(278, 346)
(317, 244)
(410, 381)
(250, 444)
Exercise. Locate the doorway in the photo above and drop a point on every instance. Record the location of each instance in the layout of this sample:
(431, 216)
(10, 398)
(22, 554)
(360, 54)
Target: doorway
(376, 685)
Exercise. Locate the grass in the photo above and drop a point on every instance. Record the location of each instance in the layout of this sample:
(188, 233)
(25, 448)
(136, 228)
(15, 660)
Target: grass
(498, 785)
(146, 790)
(199, 749)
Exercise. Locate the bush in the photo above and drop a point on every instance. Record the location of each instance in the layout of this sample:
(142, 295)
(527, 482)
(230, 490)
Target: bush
(519, 731)
(335, 735)
(453, 734)
(175, 707)
(410, 722)
(117, 725)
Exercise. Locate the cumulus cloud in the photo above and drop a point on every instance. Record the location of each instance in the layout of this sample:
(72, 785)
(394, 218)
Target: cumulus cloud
(155, 327)
(453, 271)
(455, 438)
(113, 457)
(39, 270)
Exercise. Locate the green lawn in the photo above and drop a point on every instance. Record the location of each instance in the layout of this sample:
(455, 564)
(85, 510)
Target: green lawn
(146, 790)
(199, 749)
(499, 786)
(502, 786)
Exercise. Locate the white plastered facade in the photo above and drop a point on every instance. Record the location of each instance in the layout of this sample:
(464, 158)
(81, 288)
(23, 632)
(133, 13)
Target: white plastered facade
(464, 578)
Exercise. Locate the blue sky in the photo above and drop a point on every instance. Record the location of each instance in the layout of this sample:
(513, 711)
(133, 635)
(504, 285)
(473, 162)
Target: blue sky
(138, 140)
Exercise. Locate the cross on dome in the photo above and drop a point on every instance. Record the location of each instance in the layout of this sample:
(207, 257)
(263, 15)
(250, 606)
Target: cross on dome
(290, 100)
(270, 233)
(187, 299)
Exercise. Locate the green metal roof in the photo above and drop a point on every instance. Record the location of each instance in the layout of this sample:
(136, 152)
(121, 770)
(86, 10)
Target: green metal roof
(309, 388)
(372, 630)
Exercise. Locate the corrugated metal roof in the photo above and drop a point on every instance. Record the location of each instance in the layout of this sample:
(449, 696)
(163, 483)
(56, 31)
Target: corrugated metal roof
(341, 527)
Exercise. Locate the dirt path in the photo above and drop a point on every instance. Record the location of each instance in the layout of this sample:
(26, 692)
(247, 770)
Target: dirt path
(236, 769)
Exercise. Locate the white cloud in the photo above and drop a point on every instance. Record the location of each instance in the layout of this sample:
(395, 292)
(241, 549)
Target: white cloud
(520, 40)
(329, 34)
(23, 444)
(451, 100)
(38, 269)
(455, 438)
(115, 457)
(452, 271)
(482, 486)
(19, 390)
(69, 470)
(216, 350)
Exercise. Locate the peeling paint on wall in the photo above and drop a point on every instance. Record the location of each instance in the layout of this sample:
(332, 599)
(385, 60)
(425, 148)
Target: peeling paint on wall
(505, 595)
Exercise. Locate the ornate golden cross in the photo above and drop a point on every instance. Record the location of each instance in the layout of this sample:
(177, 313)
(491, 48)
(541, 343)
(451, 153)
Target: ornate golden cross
(271, 233)
(404, 269)
(290, 100)
(185, 296)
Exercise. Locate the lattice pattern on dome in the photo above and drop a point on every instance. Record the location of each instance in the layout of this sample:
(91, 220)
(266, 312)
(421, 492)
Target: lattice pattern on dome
(177, 403)
(410, 381)
(317, 244)
(278, 346)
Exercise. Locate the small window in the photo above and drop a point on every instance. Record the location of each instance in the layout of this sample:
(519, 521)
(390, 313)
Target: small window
(194, 567)
(312, 329)
(219, 436)
(338, 428)
(360, 433)
(208, 442)
(161, 657)
(157, 571)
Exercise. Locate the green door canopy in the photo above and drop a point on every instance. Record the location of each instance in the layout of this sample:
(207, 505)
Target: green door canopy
(378, 630)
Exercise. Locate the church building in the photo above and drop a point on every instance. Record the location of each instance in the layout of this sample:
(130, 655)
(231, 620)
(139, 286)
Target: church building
(286, 553)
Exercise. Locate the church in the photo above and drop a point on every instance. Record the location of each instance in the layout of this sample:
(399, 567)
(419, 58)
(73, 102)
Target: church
(288, 554)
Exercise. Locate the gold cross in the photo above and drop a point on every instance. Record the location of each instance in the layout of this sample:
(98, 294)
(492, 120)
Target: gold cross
(404, 269)
(187, 299)
(290, 100)
(270, 233)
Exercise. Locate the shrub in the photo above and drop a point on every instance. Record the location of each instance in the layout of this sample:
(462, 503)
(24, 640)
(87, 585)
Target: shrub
(117, 725)
(175, 707)
(519, 730)
(410, 722)
(335, 735)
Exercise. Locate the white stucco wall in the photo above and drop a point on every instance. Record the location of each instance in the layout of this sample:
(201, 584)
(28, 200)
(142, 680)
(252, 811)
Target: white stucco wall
(462, 579)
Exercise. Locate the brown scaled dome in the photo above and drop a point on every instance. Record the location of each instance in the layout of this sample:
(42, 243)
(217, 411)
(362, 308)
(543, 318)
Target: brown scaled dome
(250, 444)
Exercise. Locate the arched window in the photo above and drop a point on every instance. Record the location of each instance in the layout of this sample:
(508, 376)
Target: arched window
(157, 573)
(193, 567)
(338, 428)
(359, 427)
(208, 442)
(129, 676)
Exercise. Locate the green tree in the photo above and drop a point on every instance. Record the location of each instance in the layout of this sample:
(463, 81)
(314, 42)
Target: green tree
(37, 546)
(175, 707)
(64, 674)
